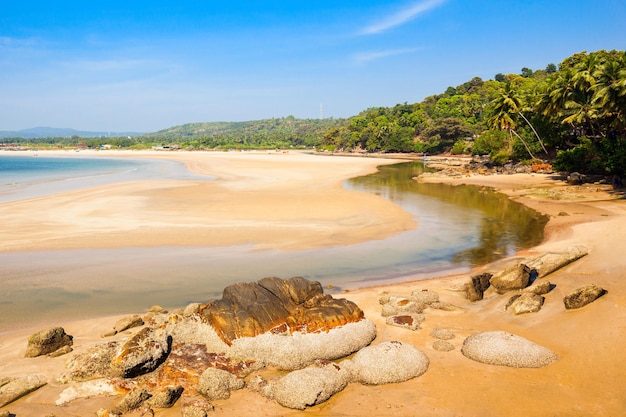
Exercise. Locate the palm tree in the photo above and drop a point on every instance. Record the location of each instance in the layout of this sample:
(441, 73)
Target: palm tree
(506, 106)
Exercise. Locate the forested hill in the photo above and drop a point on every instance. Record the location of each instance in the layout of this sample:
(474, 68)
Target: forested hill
(267, 133)
(573, 115)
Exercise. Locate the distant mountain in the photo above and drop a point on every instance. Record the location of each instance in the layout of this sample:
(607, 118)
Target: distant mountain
(54, 132)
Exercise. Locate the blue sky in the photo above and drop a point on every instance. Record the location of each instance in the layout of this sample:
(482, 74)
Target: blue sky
(148, 65)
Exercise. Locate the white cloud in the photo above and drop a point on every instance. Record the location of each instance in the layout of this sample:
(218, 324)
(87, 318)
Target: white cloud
(374, 55)
(401, 17)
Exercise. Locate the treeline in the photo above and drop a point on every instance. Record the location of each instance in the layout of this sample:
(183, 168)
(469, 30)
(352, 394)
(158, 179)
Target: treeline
(286, 132)
(572, 115)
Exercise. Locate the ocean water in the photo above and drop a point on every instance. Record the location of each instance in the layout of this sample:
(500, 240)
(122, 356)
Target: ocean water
(458, 227)
(29, 174)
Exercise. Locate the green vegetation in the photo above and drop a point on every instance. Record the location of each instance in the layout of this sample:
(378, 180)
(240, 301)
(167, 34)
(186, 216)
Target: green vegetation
(573, 115)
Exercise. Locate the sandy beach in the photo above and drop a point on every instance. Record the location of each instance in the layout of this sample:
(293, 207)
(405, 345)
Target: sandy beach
(299, 203)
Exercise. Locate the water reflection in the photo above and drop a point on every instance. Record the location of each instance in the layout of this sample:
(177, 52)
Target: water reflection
(504, 227)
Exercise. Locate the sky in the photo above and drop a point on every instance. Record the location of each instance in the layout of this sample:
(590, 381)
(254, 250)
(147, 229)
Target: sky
(143, 66)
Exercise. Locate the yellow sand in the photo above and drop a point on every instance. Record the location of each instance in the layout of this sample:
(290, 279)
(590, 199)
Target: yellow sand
(587, 380)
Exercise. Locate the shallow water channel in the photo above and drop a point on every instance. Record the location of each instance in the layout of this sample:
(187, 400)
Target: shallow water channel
(459, 227)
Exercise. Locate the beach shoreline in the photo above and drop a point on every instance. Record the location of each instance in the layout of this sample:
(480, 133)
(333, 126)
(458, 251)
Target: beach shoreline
(589, 341)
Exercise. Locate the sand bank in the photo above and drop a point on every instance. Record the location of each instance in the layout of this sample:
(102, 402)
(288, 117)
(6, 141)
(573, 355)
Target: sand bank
(590, 342)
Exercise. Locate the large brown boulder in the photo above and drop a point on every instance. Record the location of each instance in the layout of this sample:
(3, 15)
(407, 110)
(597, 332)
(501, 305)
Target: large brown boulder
(583, 296)
(48, 341)
(278, 306)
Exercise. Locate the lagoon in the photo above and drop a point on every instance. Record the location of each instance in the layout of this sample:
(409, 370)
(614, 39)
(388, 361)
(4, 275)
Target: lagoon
(459, 227)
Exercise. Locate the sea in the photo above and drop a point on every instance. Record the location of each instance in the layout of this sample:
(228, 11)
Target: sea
(459, 227)
(28, 174)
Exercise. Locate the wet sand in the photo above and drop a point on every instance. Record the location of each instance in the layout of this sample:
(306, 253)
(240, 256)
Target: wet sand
(590, 342)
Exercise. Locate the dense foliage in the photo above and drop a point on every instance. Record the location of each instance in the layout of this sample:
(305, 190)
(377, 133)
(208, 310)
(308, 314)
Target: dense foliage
(573, 115)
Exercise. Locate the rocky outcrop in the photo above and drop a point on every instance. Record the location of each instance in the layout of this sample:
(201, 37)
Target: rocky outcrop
(516, 277)
(14, 388)
(48, 341)
(142, 353)
(583, 296)
(476, 287)
(506, 349)
(302, 349)
(278, 306)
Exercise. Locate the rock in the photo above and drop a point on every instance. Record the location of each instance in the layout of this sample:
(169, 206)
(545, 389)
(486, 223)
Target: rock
(16, 388)
(409, 321)
(5, 413)
(583, 296)
(527, 303)
(216, 384)
(306, 387)
(47, 341)
(388, 362)
(191, 309)
(166, 398)
(302, 349)
(142, 353)
(443, 346)
(94, 363)
(279, 306)
(197, 408)
(547, 263)
(441, 305)
(103, 412)
(425, 296)
(506, 349)
(133, 400)
(476, 287)
(60, 352)
(127, 323)
(539, 287)
(576, 178)
(89, 389)
(516, 277)
(442, 334)
(393, 305)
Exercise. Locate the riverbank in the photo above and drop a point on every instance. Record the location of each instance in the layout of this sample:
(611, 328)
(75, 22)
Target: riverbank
(589, 342)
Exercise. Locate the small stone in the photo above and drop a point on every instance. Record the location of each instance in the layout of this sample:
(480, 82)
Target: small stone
(442, 334)
(47, 341)
(478, 284)
(527, 303)
(425, 296)
(197, 408)
(443, 346)
(128, 323)
(539, 288)
(409, 321)
(166, 398)
(583, 296)
(133, 400)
